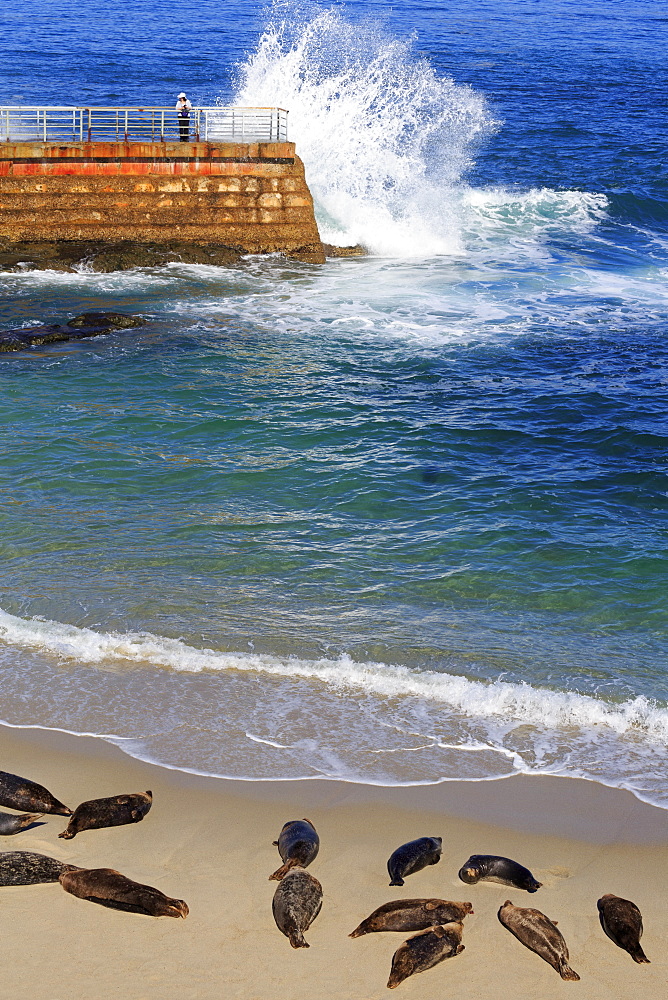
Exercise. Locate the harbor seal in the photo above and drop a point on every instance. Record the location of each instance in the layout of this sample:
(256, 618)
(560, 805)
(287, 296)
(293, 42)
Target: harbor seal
(412, 915)
(540, 934)
(20, 793)
(298, 844)
(413, 857)
(9, 824)
(27, 868)
(109, 888)
(490, 868)
(115, 811)
(622, 922)
(296, 904)
(424, 951)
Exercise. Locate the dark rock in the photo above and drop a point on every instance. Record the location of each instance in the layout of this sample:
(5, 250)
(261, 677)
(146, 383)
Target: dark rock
(356, 251)
(66, 255)
(106, 320)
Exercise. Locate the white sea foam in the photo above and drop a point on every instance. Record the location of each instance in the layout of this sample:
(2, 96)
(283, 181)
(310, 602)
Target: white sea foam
(502, 700)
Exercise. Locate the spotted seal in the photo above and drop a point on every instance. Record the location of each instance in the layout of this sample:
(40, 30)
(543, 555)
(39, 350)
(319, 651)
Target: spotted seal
(298, 844)
(27, 868)
(622, 922)
(491, 868)
(109, 888)
(540, 934)
(412, 915)
(413, 857)
(424, 951)
(296, 903)
(118, 810)
(20, 793)
(9, 824)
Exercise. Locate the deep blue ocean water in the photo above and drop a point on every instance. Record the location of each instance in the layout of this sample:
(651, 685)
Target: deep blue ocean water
(399, 518)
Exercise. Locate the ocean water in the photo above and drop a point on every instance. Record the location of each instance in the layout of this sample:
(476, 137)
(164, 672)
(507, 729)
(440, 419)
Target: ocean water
(392, 519)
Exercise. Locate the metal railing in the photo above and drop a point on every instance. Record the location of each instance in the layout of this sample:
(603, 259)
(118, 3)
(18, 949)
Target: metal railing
(76, 124)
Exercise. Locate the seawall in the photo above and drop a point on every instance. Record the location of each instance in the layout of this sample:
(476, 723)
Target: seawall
(251, 197)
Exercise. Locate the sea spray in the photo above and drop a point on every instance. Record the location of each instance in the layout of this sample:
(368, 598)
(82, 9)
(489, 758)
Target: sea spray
(384, 139)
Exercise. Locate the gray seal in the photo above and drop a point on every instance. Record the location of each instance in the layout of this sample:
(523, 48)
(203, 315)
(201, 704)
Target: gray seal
(491, 868)
(622, 922)
(540, 934)
(118, 810)
(413, 857)
(20, 793)
(10, 824)
(412, 915)
(109, 888)
(424, 951)
(296, 904)
(298, 845)
(27, 868)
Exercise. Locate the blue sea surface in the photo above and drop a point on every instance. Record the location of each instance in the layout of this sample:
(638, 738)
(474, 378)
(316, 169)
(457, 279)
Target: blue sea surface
(399, 518)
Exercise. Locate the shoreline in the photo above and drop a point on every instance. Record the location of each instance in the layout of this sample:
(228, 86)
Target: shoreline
(209, 841)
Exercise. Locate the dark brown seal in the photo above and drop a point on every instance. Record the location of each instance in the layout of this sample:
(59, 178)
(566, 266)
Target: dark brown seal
(492, 868)
(110, 888)
(622, 922)
(20, 793)
(296, 904)
(424, 951)
(10, 824)
(540, 934)
(298, 844)
(413, 857)
(412, 915)
(27, 868)
(115, 811)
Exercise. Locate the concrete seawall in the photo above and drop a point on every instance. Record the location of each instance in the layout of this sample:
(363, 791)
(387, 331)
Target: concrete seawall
(252, 197)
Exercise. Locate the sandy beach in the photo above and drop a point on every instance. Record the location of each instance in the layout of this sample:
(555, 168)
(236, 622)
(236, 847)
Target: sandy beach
(209, 842)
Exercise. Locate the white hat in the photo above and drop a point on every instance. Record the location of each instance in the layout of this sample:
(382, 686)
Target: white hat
(181, 94)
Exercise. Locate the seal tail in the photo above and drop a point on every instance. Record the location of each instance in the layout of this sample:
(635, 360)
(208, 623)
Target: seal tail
(566, 972)
(359, 931)
(281, 872)
(639, 956)
(397, 881)
(297, 940)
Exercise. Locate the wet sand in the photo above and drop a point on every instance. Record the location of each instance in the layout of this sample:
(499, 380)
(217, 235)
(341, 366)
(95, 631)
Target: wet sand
(209, 841)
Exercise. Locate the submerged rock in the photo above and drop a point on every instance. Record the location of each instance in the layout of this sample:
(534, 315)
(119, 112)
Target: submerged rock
(85, 325)
(357, 251)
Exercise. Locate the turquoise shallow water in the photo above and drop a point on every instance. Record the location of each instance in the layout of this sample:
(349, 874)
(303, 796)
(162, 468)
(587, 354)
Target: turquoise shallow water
(398, 518)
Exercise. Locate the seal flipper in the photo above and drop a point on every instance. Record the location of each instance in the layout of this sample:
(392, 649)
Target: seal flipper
(397, 881)
(281, 872)
(566, 972)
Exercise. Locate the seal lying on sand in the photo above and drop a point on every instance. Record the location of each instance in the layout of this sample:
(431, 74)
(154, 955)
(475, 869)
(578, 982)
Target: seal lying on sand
(495, 869)
(622, 922)
(424, 951)
(115, 811)
(20, 793)
(10, 824)
(298, 844)
(413, 857)
(538, 933)
(296, 904)
(110, 888)
(26, 868)
(412, 915)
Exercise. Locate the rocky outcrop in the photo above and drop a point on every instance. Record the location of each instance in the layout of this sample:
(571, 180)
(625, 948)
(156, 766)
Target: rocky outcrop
(86, 325)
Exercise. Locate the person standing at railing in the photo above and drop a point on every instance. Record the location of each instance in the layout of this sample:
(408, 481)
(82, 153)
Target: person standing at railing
(183, 107)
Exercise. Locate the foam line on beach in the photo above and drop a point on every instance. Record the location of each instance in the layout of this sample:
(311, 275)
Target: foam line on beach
(498, 699)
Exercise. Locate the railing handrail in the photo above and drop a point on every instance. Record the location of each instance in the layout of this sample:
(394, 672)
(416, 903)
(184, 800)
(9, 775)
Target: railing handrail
(148, 123)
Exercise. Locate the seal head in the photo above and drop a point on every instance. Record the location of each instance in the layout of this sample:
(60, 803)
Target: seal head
(540, 934)
(115, 811)
(424, 951)
(21, 793)
(622, 922)
(109, 888)
(412, 915)
(492, 868)
(298, 845)
(413, 857)
(9, 824)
